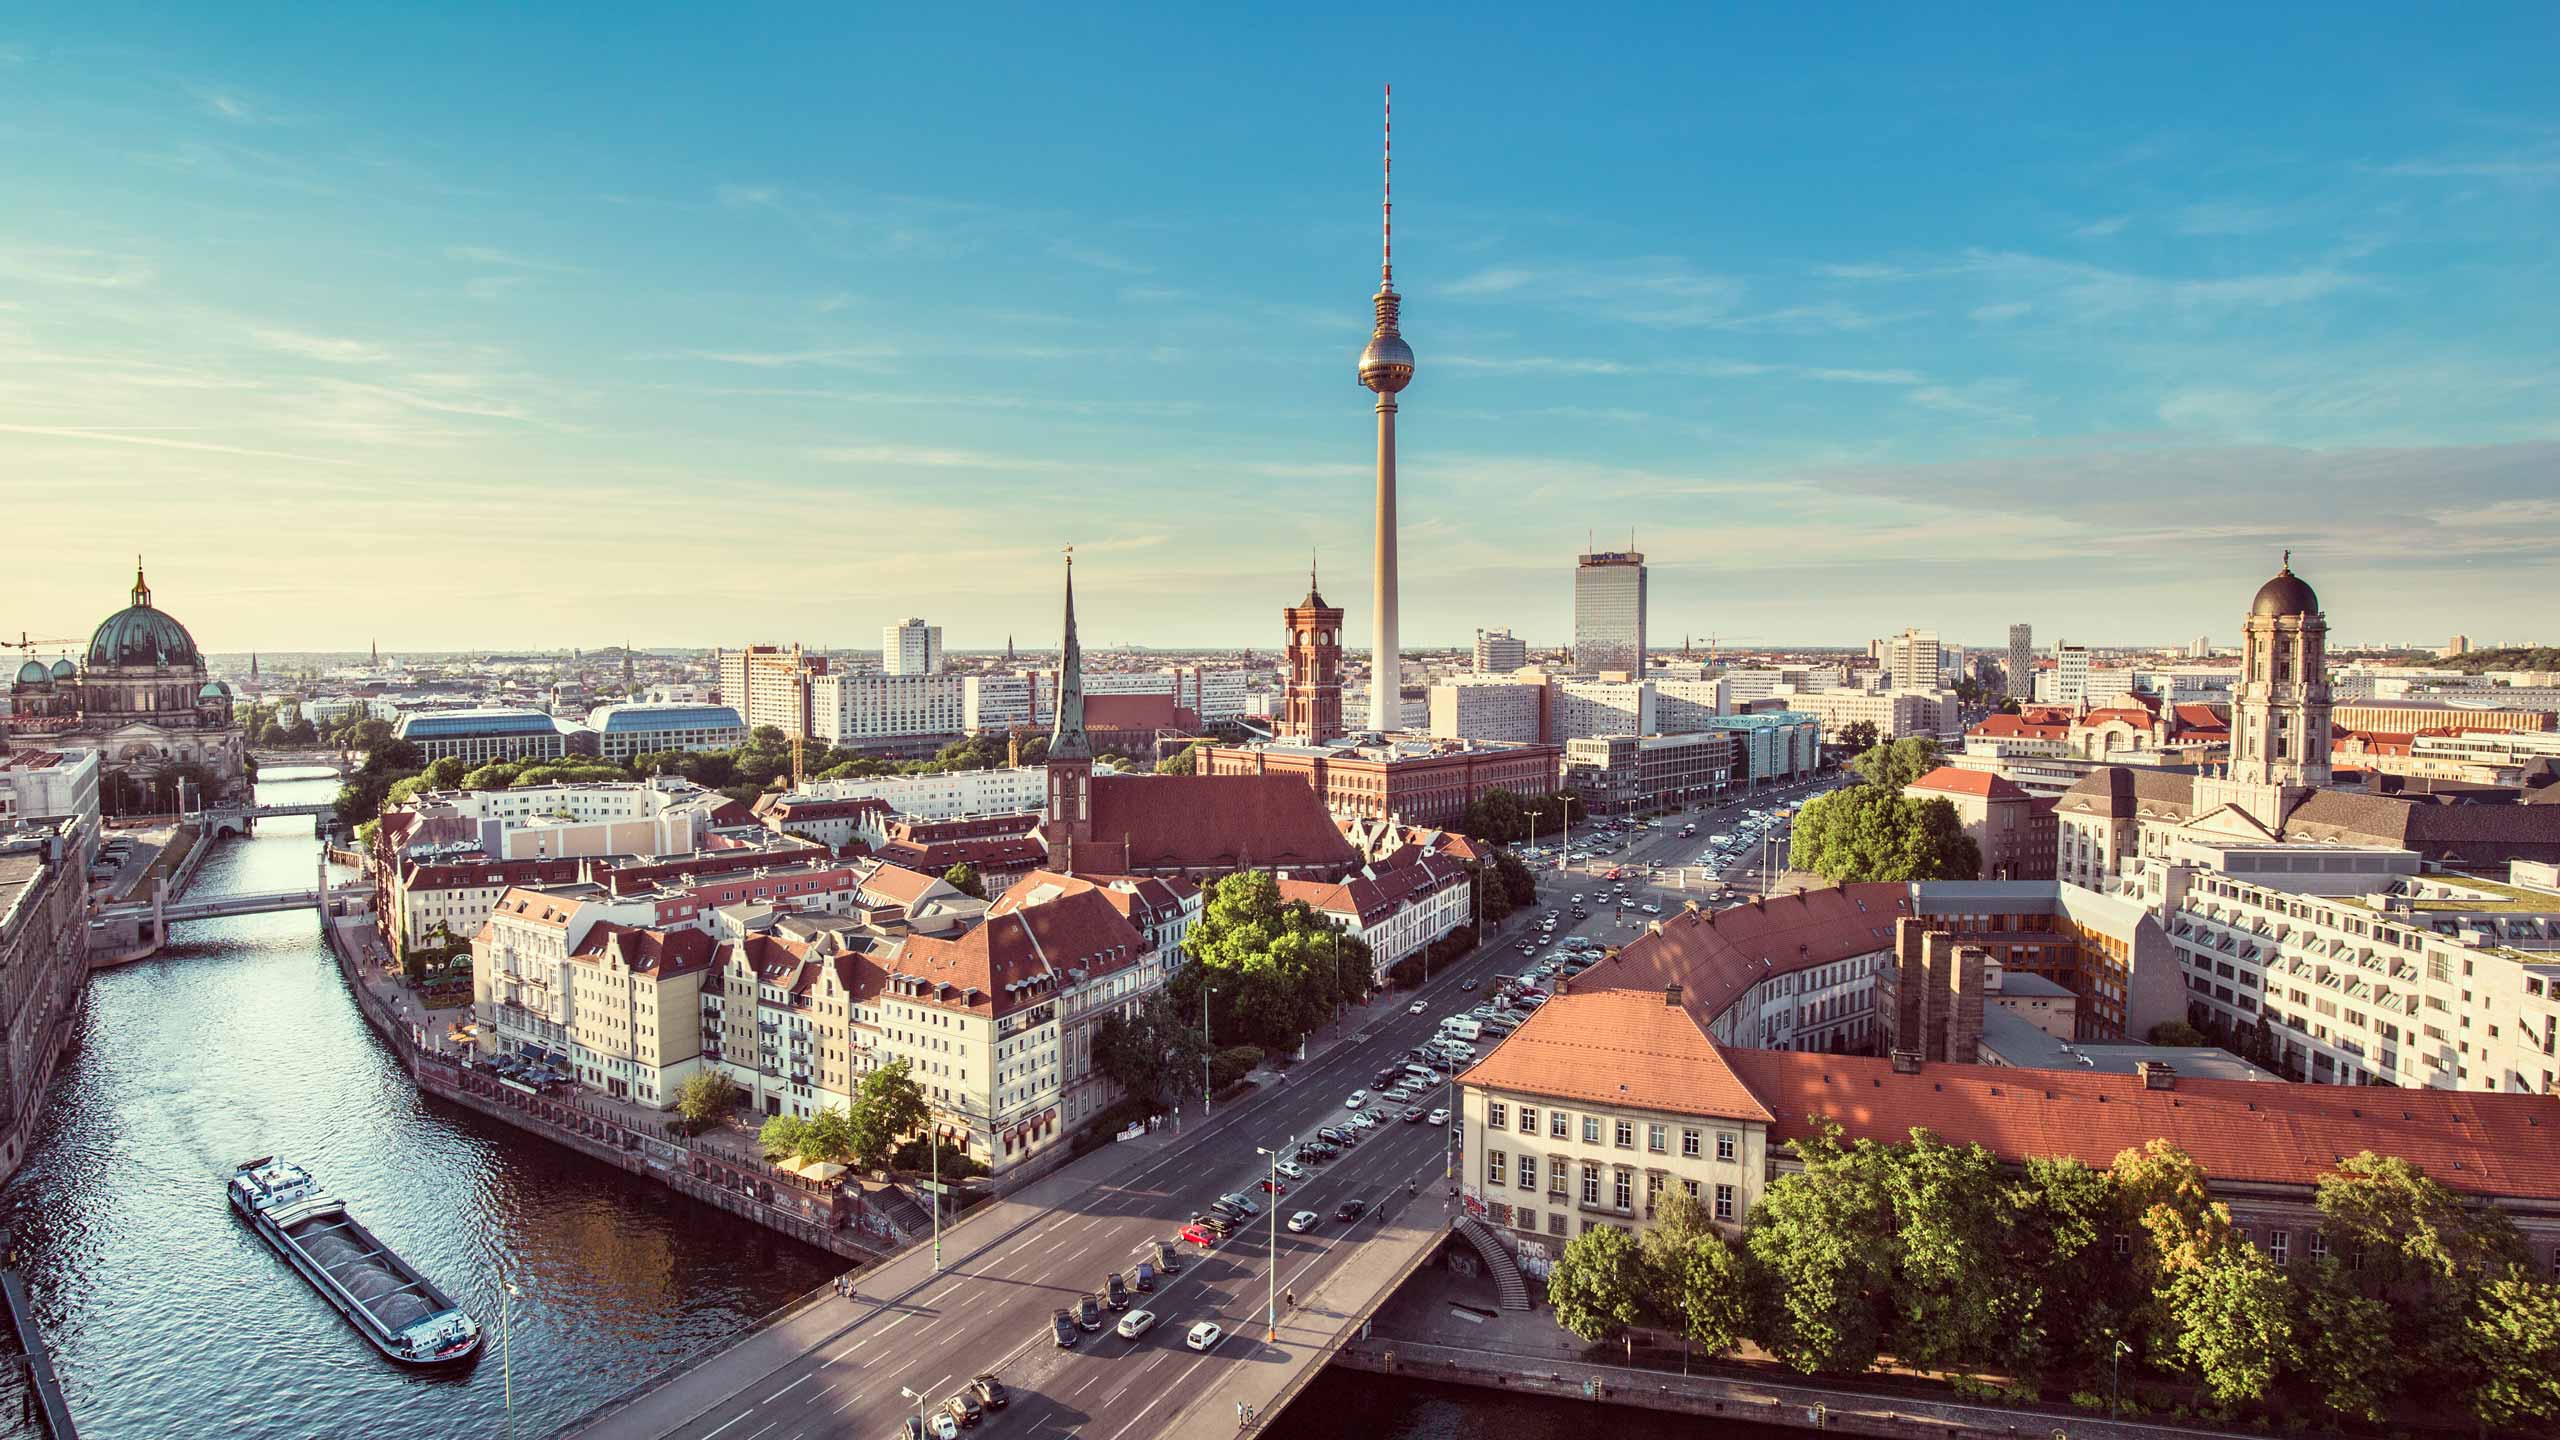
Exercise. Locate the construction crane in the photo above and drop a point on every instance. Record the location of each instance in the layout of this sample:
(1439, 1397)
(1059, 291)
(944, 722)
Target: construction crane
(22, 643)
(1713, 637)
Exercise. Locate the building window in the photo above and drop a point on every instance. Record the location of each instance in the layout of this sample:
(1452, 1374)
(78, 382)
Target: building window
(1724, 1144)
(2319, 1247)
(1622, 1190)
(1657, 1138)
(1724, 1202)
(1559, 1125)
(2279, 1245)
(1528, 1172)
(1555, 1223)
(1626, 1134)
(1690, 1142)
(1497, 1114)
(1493, 1170)
(1528, 1120)
(1652, 1188)
(1590, 1184)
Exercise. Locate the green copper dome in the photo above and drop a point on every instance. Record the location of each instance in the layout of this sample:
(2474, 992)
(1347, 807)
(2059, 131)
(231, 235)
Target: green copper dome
(139, 636)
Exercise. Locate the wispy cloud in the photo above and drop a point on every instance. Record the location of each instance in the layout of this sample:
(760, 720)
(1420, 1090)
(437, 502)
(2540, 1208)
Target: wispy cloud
(487, 255)
(492, 287)
(93, 269)
(232, 106)
(842, 357)
(2007, 310)
(1650, 291)
(319, 347)
(2224, 217)
(2101, 229)
(2531, 168)
(1097, 258)
(928, 457)
(120, 436)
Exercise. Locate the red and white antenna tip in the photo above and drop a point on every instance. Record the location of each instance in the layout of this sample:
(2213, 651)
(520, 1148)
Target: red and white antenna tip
(1387, 261)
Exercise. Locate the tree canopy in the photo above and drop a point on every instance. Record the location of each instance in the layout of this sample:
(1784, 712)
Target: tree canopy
(1871, 832)
(1275, 970)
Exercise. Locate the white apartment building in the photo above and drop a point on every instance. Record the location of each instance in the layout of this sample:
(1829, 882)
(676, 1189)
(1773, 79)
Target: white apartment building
(2070, 677)
(1684, 707)
(2363, 971)
(995, 703)
(868, 708)
(768, 685)
(957, 795)
(911, 647)
(1603, 707)
(1499, 652)
(1488, 707)
(53, 784)
(1911, 658)
(1930, 714)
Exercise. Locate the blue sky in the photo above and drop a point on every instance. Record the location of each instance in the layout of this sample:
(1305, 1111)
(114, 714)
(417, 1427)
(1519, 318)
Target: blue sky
(479, 328)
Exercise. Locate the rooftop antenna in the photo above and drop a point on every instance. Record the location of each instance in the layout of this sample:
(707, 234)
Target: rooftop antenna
(1387, 205)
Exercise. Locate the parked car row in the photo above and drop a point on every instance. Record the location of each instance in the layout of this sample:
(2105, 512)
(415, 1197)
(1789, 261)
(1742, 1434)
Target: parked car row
(965, 1408)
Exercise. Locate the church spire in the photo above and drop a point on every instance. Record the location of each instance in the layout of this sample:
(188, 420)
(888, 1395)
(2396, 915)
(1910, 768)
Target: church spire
(141, 587)
(1067, 739)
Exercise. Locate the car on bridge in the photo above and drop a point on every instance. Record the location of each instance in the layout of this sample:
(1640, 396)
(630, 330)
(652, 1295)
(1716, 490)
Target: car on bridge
(1191, 1235)
(1357, 1099)
(1289, 1170)
(1204, 1336)
(991, 1391)
(1303, 1221)
(943, 1426)
(1088, 1313)
(1439, 1117)
(1347, 1211)
(1136, 1323)
(1417, 1007)
(964, 1408)
(1062, 1328)
(1115, 1291)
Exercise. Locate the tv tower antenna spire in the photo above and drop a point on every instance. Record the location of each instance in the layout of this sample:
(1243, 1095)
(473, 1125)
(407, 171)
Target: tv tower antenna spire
(1387, 219)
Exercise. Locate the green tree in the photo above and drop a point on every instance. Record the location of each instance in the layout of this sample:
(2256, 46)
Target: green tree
(445, 774)
(1896, 764)
(1954, 1296)
(2514, 1335)
(704, 1097)
(1697, 1283)
(963, 877)
(783, 1136)
(2176, 1032)
(1870, 832)
(1151, 1054)
(1858, 735)
(1822, 1242)
(1185, 761)
(1598, 1285)
(887, 1108)
(829, 1136)
(496, 775)
(1277, 970)
(2234, 1317)
(2171, 1218)
(2072, 1300)
(2400, 1238)
(2354, 1376)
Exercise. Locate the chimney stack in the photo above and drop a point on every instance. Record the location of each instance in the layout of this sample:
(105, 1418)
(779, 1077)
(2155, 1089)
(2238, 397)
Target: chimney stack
(2156, 1074)
(1671, 996)
(1906, 1062)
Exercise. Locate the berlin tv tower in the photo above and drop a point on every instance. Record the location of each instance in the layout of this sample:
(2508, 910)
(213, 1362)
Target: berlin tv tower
(1386, 367)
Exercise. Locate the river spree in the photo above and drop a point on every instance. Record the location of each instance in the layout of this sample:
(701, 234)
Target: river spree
(170, 1319)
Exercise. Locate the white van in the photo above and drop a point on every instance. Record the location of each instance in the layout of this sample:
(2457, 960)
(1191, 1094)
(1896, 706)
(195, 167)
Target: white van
(1463, 1026)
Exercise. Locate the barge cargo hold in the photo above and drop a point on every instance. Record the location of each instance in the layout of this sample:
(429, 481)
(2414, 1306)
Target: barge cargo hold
(399, 1310)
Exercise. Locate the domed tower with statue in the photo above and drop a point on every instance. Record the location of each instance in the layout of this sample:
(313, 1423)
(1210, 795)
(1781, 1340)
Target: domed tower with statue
(166, 737)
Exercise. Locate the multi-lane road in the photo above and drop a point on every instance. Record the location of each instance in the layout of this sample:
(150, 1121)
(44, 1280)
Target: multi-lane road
(915, 1335)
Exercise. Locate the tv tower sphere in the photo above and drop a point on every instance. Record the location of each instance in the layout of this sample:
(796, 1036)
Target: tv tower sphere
(1387, 365)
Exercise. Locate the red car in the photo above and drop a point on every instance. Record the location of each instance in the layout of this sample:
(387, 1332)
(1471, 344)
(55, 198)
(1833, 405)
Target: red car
(1193, 1234)
(1274, 1186)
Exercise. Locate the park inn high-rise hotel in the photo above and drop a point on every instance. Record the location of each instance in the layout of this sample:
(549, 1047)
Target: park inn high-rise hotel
(1608, 611)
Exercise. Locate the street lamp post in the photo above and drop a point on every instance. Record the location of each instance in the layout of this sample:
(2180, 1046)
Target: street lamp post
(1271, 1275)
(2115, 1380)
(1208, 1044)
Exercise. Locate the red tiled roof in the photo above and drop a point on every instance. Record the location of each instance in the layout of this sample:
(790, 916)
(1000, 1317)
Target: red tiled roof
(1218, 822)
(1981, 784)
(2238, 1130)
(1713, 956)
(987, 852)
(1021, 956)
(899, 884)
(1620, 1047)
(2199, 717)
(2140, 719)
(1370, 899)
(660, 952)
(2015, 727)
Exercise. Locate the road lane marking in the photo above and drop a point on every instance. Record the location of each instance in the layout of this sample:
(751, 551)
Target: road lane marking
(794, 1385)
(706, 1435)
